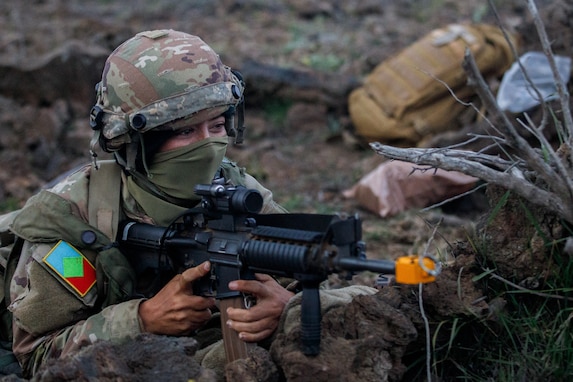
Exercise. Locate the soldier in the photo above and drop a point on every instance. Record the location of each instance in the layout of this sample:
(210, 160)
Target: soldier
(165, 107)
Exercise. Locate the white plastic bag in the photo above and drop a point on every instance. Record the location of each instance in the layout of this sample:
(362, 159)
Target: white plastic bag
(516, 93)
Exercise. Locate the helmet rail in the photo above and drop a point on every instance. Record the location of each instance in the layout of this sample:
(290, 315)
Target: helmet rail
(163, 80)
(216, 99)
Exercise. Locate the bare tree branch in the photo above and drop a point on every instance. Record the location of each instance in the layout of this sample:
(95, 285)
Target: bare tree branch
(526, 165)
(526, 76)
(514, 139)
(513, 179)
(560, 84)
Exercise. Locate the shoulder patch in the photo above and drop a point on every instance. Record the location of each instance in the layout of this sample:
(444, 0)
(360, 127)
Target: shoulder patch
(72, 267)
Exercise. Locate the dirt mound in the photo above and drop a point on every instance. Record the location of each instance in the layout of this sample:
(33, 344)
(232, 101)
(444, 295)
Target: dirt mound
(362, 341)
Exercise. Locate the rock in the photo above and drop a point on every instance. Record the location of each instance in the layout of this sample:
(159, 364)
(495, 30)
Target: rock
(147, 358)
(258, 367)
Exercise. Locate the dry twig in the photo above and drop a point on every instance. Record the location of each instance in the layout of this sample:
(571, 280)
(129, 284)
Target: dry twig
(528, 165)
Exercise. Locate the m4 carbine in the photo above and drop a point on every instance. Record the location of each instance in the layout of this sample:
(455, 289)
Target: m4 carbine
(228, 231)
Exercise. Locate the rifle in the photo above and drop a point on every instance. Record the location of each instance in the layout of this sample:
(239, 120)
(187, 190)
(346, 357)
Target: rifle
(228, 231)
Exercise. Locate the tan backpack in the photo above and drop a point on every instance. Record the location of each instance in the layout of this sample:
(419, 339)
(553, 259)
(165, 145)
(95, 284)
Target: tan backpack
(405, 98)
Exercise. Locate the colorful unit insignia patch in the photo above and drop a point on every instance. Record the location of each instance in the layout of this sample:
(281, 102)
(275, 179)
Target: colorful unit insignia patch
(72, 266)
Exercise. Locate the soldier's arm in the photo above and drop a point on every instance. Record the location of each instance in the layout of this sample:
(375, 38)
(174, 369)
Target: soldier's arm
(116, 323)
(52, 319)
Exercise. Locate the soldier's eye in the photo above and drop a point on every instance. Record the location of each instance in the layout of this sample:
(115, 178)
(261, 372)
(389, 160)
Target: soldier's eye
(185, 132)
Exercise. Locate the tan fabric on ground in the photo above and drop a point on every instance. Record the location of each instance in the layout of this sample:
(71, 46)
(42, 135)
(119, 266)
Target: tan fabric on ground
(213, 357)
(329, 298)
(395, 186)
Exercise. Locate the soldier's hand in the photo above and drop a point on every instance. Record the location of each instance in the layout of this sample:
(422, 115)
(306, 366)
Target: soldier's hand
(260, 321)
(175, 310)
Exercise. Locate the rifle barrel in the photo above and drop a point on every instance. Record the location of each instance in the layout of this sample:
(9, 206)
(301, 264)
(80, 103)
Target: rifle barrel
(358, 265)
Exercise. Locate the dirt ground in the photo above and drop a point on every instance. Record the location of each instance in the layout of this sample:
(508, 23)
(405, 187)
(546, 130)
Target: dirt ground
(52, 52)
(294, 142)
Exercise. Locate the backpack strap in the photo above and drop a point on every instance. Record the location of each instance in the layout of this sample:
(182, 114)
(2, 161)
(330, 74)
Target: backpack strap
(104, 196)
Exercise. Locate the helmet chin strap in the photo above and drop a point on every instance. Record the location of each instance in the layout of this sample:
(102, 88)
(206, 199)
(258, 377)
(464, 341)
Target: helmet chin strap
(93, 142)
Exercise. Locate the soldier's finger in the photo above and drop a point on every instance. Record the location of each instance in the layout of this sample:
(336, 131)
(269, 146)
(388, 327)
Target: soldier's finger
(253, 287)
(195, 273)
(263, 277)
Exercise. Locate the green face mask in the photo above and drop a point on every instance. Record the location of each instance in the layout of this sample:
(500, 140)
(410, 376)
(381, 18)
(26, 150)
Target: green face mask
(176, 172)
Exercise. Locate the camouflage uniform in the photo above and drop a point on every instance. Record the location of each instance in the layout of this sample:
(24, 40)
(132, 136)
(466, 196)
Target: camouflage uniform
(70, 289)
(50, 318)
(67, 291)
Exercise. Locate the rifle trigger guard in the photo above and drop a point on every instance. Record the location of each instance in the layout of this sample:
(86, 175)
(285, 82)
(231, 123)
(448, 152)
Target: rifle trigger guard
(249, 301)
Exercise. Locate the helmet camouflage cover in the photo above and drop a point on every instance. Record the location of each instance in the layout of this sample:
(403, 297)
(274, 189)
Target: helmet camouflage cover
(162, 80)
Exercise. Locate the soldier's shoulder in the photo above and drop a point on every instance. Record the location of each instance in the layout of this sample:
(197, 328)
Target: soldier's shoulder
(73, 186)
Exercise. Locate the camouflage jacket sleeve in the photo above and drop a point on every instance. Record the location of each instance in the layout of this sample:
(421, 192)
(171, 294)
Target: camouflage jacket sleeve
(238, 175)
(55, 298)
(116, 323)
(269, 205)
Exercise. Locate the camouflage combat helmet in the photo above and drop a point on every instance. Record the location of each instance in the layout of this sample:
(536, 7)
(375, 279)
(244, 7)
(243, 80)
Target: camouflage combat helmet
(162, 80)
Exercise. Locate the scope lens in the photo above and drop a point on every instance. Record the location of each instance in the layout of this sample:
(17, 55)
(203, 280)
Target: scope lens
(247, 200)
